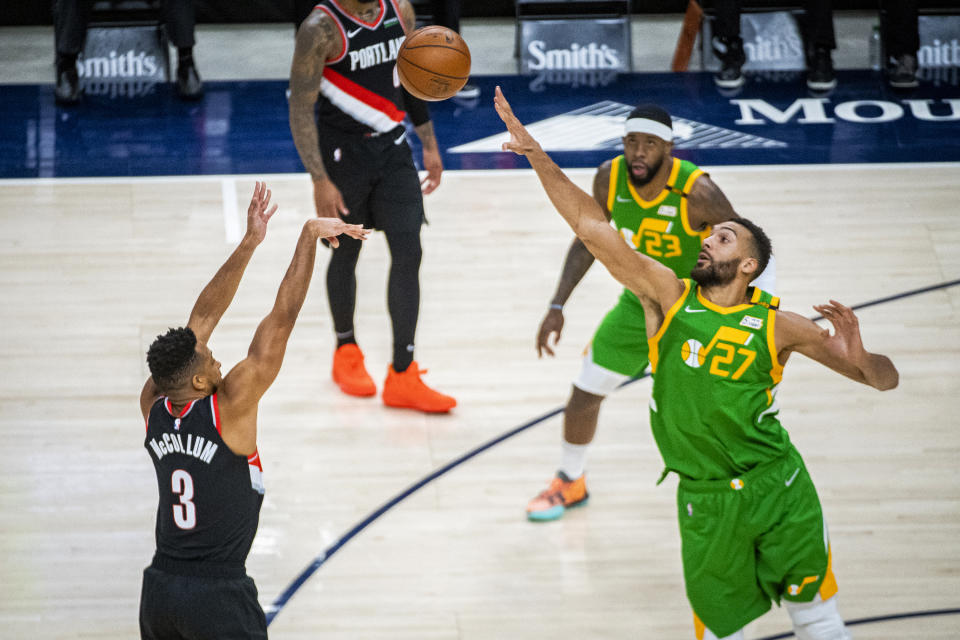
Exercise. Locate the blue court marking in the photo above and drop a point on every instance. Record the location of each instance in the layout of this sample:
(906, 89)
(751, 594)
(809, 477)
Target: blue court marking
(892, 616)
(274, 608)
(242, 127)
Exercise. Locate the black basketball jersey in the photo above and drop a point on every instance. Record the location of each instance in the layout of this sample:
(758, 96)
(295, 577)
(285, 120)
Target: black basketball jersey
(360, 91)
(210, 497)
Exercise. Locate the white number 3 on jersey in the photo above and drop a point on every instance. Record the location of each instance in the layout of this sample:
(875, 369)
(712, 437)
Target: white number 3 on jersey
(185, 513)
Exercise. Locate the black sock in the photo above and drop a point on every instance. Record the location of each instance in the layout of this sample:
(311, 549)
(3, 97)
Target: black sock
(346, 338)
(342, 288)
(403, 294)
(184, 57)
(66, 61)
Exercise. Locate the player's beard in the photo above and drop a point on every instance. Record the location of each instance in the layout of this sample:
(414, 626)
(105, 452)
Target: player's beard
(651, 171)
(716, 273)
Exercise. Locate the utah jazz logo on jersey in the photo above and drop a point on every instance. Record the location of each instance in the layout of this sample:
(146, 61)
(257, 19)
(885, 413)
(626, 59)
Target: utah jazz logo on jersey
(730, 358)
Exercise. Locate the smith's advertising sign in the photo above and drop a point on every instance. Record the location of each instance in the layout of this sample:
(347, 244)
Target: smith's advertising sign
(126, 61)
(574, 45)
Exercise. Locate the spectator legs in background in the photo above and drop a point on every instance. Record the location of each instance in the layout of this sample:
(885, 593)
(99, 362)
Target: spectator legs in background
(179, 16)
(901, 38)
(728, 45)
(70, 29)
(821, 41)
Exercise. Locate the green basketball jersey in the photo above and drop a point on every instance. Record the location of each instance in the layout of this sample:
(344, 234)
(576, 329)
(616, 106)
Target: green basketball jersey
(715, 376)
(659, 228)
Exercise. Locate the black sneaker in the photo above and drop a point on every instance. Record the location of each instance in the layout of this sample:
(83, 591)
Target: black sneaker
(820, 76)
(469, 91)
(189, 85)
(67, 89)
(902, 72)
(732, 58)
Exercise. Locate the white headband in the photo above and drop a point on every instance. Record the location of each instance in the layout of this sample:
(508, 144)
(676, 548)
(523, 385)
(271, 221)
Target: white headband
(646, 125)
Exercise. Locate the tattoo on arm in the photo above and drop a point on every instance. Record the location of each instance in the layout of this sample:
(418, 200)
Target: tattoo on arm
(427, 138)
(408, 15)
(317, 39)
(708, 205)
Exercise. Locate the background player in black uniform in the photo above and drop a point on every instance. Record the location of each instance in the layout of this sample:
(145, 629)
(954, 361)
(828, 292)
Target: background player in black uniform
(202, 439)
(346, 113)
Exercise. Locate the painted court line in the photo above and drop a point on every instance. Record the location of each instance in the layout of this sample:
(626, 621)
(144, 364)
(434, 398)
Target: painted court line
(281, 601)
(231, 221)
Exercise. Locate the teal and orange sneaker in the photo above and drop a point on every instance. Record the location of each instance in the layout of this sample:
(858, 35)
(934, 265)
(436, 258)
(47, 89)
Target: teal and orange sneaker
(562, 494)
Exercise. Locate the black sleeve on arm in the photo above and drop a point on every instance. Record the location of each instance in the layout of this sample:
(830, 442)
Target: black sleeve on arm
(417, 109)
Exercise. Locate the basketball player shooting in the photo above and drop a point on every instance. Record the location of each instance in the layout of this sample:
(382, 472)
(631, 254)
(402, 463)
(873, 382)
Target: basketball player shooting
(202, 440)
(751, 525)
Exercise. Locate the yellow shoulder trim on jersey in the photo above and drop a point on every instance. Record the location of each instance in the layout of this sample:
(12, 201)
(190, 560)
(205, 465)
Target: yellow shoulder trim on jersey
(612, 187)
(654, 342)
(774, 302)
(755, 297)
(691, 179)
(667, 190)
(724, 310)
(776, 369)
(685, 219)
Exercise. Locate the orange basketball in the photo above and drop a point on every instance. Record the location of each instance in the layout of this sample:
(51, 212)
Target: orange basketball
(433, 63)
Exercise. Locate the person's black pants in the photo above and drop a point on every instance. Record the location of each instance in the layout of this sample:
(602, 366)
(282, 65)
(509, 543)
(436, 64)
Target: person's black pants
(901, 31)
(70, 18)
(817, 22)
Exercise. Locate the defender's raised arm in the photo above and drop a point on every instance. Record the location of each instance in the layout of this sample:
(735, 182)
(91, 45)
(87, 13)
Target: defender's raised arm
(646, 277)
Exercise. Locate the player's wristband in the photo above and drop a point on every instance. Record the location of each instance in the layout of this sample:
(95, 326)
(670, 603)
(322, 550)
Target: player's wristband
(558, 307)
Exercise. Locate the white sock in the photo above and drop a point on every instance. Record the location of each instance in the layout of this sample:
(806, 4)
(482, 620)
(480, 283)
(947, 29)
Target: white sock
(573, 457)
(817, 620)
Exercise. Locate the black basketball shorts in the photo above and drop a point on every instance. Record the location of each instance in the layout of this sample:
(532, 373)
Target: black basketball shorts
(376, 176)
(175, 607)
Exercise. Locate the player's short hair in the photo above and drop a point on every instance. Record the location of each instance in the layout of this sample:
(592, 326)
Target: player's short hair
(171, 357)
(652, 119)
(762, 247)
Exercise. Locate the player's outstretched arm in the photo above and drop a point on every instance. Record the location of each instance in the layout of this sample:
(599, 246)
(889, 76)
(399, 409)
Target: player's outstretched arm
(642, 275)
(246, 383)
(843, 351)
(219, 292)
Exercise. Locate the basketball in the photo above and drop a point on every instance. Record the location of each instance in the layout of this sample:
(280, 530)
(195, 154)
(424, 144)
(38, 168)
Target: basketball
(433, 63)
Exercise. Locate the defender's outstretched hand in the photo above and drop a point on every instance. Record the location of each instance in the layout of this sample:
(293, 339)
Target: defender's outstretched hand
(845, 341)
(521, 142)
(258, 215)
(330, 228)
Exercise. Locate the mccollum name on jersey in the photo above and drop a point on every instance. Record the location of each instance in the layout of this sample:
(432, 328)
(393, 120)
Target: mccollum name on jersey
(198, 447)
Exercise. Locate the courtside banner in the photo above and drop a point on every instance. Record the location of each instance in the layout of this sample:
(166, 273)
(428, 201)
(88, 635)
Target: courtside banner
(122, 61)
(939, 41)
(771, 41)
(583, 44)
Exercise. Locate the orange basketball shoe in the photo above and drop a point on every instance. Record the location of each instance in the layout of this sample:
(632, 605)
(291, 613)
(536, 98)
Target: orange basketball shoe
(562, 494)
(349, 372)
(406, 390)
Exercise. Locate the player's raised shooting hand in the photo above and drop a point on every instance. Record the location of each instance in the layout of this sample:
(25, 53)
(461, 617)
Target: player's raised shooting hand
(259, 212)
(521, 142)
(552, 324)
(330, 228)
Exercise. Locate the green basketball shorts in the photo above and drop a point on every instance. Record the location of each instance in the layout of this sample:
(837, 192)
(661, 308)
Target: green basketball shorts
(750, 540)
(618, 350)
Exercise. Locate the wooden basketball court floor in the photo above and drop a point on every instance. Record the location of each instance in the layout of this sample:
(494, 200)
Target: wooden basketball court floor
(93, 269)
